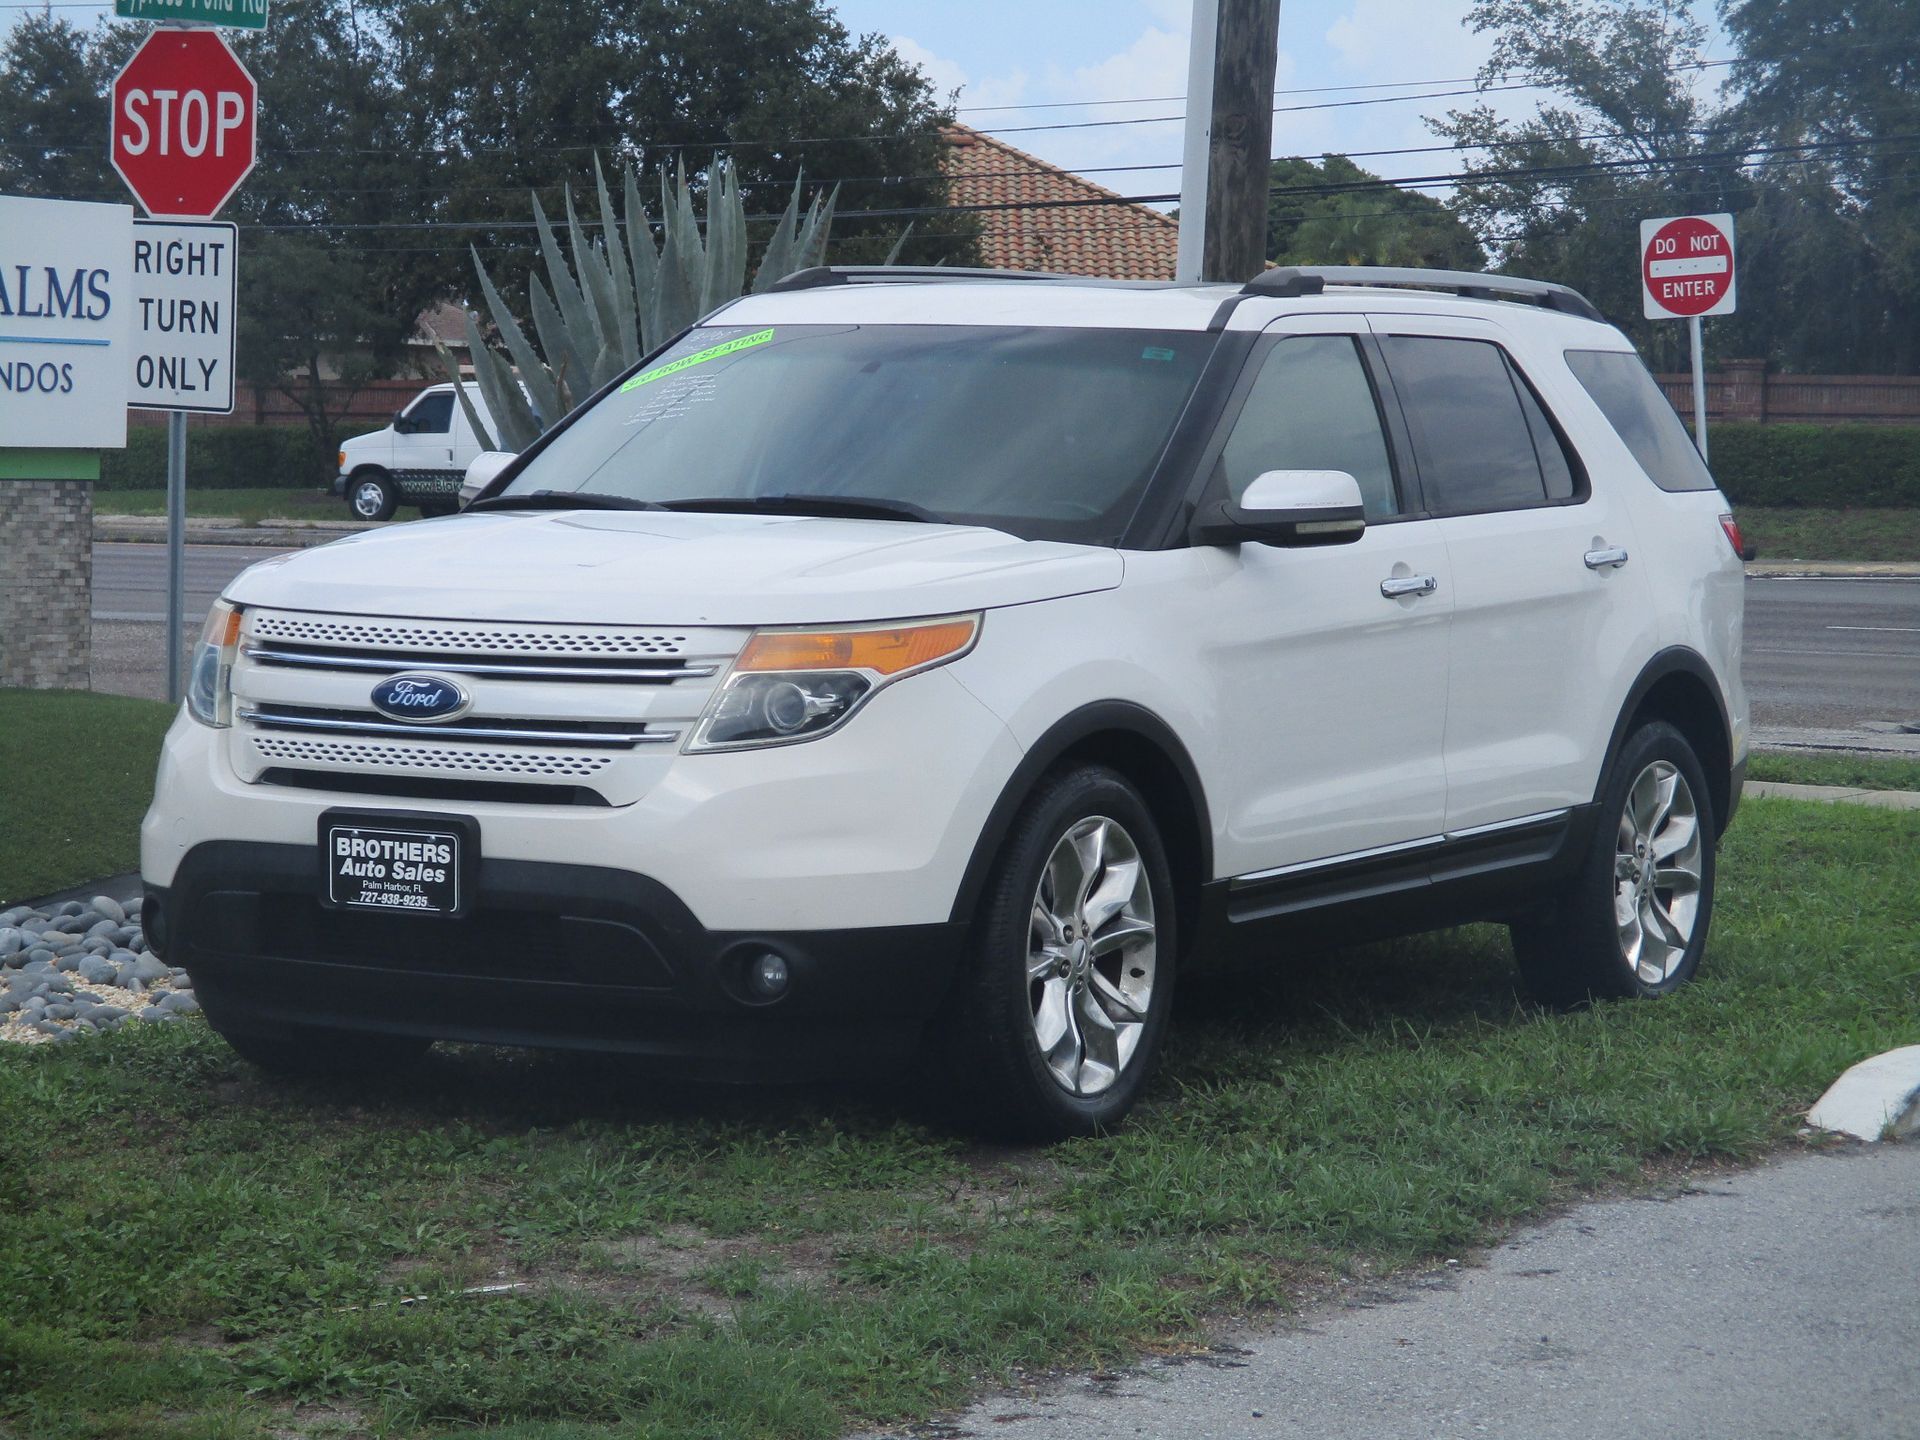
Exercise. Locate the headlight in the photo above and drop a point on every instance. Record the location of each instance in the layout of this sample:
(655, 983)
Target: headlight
(210, 683)
(793, 685)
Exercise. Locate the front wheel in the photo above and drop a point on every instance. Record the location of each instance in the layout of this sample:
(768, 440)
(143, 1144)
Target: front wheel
(1071, 977)
(372, 496)
(1633, 921)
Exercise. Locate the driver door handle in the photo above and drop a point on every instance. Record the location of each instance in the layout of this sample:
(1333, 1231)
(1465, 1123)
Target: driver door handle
(1400, 585)
(1600, 559)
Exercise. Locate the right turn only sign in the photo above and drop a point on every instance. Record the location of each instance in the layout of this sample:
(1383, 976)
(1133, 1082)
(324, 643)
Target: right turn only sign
(1686, 266)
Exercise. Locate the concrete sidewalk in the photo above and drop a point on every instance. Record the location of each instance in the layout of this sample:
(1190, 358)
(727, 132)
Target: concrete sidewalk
(153, 529)
(1777, 1304)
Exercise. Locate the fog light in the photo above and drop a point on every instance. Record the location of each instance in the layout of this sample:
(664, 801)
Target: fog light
(767, 976)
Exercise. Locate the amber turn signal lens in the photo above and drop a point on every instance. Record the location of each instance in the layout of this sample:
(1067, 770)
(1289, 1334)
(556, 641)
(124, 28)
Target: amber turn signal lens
(889, 651)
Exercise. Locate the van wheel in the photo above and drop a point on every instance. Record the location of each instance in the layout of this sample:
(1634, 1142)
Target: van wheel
(1633, 921)
(371, 495)
(1070, 982)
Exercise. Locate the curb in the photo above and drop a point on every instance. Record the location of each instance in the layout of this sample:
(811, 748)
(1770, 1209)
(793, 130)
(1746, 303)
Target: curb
(1832, 570)
(1878, 1098)
(1832, 795)
(152, 529)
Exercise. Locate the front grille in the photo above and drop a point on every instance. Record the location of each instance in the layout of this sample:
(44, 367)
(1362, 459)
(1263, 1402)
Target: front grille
(441, 759)
(586, 708)
(442, 639)
(592, 734)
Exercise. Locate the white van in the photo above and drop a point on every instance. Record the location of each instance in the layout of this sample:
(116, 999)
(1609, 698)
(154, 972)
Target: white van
(419, 459)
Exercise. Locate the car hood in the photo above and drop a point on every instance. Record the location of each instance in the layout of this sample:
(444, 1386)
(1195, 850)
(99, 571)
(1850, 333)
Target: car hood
(670, 568)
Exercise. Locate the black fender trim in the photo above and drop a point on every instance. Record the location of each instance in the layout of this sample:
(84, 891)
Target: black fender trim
(1103, 717)
(1679, 660)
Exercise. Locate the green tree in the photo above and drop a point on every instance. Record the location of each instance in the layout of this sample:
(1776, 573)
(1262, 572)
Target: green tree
(1845, 75)
(53, 113)
(1559, 196)
(1365, 222)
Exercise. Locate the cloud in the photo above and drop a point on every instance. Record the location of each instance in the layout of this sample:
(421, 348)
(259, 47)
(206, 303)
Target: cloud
(945, 74)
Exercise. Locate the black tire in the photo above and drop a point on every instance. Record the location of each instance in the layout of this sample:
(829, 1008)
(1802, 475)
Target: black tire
(312, 1050)
(372, 495)
(1577, 949)
(992, 1039)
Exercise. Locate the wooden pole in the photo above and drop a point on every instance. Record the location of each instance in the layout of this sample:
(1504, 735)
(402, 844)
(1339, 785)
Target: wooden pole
(1240, 138)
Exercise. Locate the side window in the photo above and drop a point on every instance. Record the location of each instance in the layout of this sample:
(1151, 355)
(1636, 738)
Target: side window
(432, 414)
(1478, 433)
(1631, 400)
(1312, 408)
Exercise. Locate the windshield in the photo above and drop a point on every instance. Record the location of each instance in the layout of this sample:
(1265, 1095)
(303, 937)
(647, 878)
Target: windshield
(1045, 433)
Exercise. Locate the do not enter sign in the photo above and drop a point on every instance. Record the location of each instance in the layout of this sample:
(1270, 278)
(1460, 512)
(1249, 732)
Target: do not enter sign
(183, 121)
(1686, 266)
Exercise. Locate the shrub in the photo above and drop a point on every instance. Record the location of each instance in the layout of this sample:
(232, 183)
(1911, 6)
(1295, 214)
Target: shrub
(1830, 466)
(227, 457)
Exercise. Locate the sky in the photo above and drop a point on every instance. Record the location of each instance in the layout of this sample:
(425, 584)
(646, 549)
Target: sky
(1028, 53)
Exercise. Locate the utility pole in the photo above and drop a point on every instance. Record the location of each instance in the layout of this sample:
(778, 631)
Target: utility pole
(1229, 139)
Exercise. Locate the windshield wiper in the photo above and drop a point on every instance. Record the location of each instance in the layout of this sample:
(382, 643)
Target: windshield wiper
(851, 507)
(563, 500)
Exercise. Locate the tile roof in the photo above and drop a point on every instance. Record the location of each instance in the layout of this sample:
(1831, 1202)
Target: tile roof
(1113, 237)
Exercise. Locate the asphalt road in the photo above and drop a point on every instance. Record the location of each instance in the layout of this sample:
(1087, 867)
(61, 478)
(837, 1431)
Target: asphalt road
(1833, 656)
(1777, 1304)
(1827, 661)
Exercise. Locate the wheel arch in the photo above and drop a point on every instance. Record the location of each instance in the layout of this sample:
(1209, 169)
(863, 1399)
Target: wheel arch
(1140, 745)
(1679, 687)
(368, 468)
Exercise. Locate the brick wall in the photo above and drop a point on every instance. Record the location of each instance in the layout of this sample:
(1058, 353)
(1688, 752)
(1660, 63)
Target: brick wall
(46, 583)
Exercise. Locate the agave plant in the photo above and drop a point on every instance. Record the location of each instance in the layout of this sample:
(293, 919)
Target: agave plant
(626, 299)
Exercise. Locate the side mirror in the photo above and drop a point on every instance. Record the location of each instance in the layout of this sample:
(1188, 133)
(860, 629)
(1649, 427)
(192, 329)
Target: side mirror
(484, 469)
(401, 424)
(1288, 507)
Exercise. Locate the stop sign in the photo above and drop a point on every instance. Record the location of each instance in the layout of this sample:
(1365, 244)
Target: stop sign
(1686, 266)
(183, 112)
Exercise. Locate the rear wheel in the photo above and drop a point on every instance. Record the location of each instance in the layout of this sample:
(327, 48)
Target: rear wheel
(1071, 977)
(1634, 920)
(372, 495)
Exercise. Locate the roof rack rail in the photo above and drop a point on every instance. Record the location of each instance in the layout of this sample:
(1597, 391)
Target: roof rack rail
(1295, 280)
(815, 276)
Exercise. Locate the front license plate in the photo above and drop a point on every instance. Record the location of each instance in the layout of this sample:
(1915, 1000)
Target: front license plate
(420, 870)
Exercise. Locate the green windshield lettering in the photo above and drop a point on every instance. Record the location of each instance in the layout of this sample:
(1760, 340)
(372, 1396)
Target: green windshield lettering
(712, 352)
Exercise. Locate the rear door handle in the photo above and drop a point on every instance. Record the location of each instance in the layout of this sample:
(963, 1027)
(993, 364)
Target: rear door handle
(1601, 559)
(1400, 585)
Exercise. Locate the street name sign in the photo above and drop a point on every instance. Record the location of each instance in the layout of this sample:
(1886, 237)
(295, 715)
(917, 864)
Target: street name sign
(240, 14)
(65, 302)
(1686, 266)
(183, 316)
(183, 124)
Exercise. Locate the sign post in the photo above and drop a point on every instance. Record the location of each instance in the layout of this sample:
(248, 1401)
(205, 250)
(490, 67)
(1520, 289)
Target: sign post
(183, 140)
(1687, 271)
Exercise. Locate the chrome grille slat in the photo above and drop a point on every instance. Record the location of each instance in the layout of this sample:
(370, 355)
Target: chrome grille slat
(334, 754)
(559, 734)
(342, 660)
(354, 633)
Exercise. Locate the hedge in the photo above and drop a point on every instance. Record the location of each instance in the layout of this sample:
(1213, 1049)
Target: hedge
(226, 457)
(1829, 466)
(1833, 466)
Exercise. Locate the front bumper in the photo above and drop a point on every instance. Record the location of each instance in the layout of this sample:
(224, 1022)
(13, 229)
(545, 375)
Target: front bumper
(552, 955)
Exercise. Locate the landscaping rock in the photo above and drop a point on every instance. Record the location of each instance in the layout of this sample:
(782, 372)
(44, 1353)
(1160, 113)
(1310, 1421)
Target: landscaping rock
(178, 1002)
(107, 906)
(58, 962)
(96, 970)
(150, 968)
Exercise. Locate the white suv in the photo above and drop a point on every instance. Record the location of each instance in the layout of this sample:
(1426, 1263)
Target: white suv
(915, 669)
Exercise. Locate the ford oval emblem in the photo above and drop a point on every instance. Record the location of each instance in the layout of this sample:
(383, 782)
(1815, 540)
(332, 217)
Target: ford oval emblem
(421, 699)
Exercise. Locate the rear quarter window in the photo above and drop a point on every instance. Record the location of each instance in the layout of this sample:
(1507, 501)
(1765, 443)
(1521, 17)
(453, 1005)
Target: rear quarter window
(1638, 411)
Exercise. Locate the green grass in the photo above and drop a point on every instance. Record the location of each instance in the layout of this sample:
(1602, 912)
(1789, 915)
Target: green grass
(189, 1250)
(1812, 534)
(248, 507)
(76, 773)
(1868, 772)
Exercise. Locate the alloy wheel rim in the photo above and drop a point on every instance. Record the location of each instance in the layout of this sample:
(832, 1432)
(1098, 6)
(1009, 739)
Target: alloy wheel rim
(1657, 872)
(1090, 956)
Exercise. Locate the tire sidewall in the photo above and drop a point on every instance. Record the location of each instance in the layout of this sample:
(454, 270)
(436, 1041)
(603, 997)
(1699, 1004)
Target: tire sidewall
(1650, 743)
(1003, 932)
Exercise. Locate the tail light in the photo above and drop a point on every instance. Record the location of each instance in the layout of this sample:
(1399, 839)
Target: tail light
(1731, 528)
